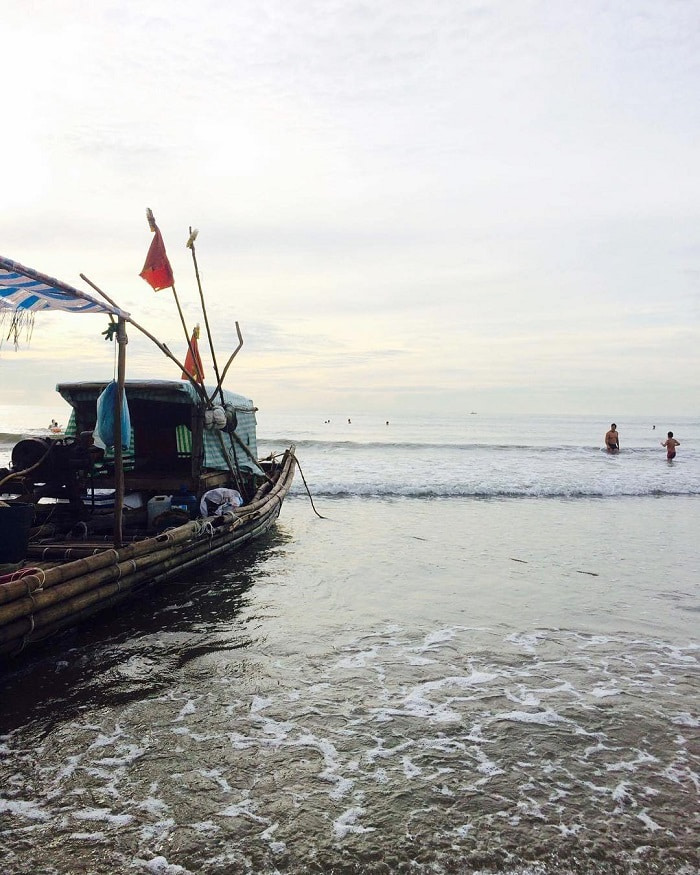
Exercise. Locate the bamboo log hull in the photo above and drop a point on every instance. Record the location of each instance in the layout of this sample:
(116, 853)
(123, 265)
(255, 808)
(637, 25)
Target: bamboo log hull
(42, 603)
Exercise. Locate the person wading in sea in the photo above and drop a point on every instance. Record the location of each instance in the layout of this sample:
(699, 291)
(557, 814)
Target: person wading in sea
(670, 443)
(612, 440)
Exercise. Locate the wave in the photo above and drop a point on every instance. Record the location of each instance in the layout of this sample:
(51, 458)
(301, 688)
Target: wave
(329, 445)
(11, 437)
(431, 493)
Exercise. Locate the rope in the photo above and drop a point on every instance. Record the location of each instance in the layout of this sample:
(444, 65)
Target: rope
(296, 462)
(26, 635)
(18, 574)
(203, 528)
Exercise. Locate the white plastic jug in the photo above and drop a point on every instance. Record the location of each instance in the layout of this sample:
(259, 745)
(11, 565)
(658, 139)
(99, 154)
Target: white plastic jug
(156, 506)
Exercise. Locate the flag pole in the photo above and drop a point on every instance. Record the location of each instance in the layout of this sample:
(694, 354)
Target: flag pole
(154, 229)
(122, 340)
(190, 246)
(161, 346)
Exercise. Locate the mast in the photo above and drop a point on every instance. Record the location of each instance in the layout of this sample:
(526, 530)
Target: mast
(122, 341)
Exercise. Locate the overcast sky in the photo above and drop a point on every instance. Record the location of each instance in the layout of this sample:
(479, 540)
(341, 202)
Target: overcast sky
(444, 205)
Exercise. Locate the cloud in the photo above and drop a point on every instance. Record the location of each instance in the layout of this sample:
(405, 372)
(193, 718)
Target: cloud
(455, 200)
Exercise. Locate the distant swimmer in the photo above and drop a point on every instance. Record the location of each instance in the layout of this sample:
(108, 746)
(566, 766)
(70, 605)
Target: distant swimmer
(670, 443)
(348, 422)
(612, 440)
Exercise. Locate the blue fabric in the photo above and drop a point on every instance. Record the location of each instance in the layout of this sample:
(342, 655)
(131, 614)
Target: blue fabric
(105, 417)
(22, 288)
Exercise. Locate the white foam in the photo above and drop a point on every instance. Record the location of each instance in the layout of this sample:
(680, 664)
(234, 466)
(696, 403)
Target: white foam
(440, 636)
(384, 752)
(206, 827)
(103, 814)
(259, 704)
(22, 808)
(342, 785)
(686, 719)
(525, 698)
(410, 769)
(215, 775)
(188, 708)
(647, 821)
(154, 806)
(67, 770)
(565, 830)
(131, 752)
(605, 692)
(542, 718)
(529, 642)
(103, 740)
(463, 830)
(156, 831)
(631, 765)
(347, 823)
(277, 848)
(242, 809)
(160, 866)
(487, 766)
(358, 660)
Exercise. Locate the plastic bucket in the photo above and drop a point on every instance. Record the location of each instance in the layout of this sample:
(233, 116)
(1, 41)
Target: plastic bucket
(15, 522)
(156, 506)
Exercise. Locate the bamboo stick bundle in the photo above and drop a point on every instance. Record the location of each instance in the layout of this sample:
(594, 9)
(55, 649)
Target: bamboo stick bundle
(85, 565)
(70, 611)
(61, 590)
(92, 594)
(38, 599)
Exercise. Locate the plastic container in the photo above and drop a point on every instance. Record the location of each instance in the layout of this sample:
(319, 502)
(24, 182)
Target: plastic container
(15, 522)
(156, 506)
(185, 500)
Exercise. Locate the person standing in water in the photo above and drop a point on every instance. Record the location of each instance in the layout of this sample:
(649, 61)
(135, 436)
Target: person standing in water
(670, 443)
(612, 440)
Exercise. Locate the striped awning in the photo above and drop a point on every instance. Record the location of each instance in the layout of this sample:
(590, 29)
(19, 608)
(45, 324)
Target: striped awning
(25, 290)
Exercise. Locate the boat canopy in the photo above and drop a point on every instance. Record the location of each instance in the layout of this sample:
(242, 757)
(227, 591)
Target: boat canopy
(170, 406)
(25, 290)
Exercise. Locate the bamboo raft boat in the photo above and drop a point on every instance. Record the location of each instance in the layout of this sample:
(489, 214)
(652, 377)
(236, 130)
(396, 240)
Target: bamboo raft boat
(178, 483)
(70, 568)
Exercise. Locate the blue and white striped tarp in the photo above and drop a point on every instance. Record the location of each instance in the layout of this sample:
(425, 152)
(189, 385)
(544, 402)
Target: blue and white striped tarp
(24, 289)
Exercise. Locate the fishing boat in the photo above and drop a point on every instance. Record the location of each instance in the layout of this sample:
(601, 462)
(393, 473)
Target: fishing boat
(150, 478)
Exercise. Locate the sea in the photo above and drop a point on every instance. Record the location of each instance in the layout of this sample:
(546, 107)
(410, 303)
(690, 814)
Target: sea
(469, 645)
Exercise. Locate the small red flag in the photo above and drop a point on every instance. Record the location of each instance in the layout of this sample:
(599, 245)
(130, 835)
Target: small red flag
(193, 361)
(157, 271)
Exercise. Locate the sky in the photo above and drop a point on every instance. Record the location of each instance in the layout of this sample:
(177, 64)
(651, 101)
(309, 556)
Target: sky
(441, 206)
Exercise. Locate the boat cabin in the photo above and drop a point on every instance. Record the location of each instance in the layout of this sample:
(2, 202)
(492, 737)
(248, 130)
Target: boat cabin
(175, 441)
(177, 444)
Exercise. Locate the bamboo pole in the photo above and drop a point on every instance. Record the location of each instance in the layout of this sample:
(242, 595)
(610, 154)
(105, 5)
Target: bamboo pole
(50, 620)
(190, 246)
(161, 346)
(89, 565)
(232, 356)
(68, 614)
(122, 341)
(70, 605)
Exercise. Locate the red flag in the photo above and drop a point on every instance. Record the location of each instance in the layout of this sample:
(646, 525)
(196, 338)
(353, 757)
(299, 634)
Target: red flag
(193, 361)
(157, 271)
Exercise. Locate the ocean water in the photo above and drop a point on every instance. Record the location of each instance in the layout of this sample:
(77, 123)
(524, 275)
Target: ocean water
(483, 658)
